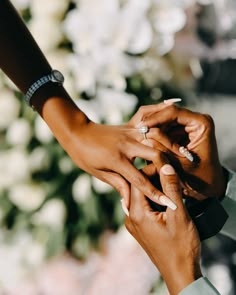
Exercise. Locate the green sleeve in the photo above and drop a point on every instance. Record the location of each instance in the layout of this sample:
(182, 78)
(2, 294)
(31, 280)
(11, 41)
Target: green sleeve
(229, 203)
(200, 286)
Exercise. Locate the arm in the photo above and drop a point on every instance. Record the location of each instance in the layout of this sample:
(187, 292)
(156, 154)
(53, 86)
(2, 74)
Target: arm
(107, 152)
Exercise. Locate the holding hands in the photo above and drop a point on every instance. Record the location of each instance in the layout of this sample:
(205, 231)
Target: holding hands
(170, 238)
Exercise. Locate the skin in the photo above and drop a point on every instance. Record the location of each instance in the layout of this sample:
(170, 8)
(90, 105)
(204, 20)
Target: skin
(106, 152)
(169, 238)
(197, 132)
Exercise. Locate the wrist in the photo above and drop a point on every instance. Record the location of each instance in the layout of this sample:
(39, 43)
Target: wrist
(59, 111)
(182, 277)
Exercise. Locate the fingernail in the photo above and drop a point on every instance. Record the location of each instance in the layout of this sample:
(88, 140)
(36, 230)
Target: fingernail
(185, 152)
(125, 209)
(172, 101)
(167, 169)
(167, 202)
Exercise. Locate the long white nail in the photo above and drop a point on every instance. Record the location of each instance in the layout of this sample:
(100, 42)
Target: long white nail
(125, 209)
(172, 101)
(185, 152)
(167, 202)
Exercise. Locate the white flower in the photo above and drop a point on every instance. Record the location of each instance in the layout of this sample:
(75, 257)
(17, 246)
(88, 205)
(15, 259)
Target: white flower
(142, 41)
(82, 188)
(84, 72)
(102, 33)
(133, 19)
(18, 258)
(53, 214)
(11, 270)
(39, 159)
(9, 108)
(110, 105)
(42, 131)
(46, 32)
(65, 165)
(21, 4)
(164, 43)
(100, 186)
(34, 254)
(169, 19)
(116, 104)
(14, 167)
(51, 8)
(27, 197)
(19, 132)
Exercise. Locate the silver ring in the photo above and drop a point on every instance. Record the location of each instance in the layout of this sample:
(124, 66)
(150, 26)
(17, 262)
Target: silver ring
(144, 130)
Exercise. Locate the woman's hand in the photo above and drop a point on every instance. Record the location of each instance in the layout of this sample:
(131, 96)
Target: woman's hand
(107, 152)
(169, 238)
(204, 177)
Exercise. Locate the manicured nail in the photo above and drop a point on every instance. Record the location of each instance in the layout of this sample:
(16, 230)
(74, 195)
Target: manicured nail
(167, 169)
(167, 202)
(125, 209)
(172, 101)
(185, 152)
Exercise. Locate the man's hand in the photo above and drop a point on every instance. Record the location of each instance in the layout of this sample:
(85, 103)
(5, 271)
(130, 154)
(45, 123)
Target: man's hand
(204, 177)
(169, 238)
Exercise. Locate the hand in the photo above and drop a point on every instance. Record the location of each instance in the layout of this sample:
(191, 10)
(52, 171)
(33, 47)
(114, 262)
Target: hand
(204, 177)
(108, 152)
(169, 238)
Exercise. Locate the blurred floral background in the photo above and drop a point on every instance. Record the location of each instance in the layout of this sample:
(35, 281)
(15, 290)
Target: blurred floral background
(61, 229)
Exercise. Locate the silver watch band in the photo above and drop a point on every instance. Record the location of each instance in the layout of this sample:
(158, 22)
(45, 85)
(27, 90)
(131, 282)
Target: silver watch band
(55, 77)
(35, 86)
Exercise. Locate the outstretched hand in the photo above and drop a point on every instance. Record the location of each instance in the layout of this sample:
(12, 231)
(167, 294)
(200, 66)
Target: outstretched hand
(108, 153)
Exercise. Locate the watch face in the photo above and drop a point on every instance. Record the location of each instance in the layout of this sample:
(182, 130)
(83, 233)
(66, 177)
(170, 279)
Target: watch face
(57, 77)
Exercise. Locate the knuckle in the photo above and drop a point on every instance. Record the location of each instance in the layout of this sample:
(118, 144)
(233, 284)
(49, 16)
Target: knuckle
(157, 156)
(156, 133)
(172, 187)
(208, 120)
(141, 112)
(139, 180)
(136, 218)
(173, 108)
(141, 109)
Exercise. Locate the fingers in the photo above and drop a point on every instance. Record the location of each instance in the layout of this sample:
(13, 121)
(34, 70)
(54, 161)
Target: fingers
(171, 186)
(171, 114)
(142, 183)
(118, 183)
(144, 111)
(138, 203)
(159, 136)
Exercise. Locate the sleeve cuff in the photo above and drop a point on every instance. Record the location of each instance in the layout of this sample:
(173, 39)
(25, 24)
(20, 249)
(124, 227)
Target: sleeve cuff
(229, 204)
(200, 286)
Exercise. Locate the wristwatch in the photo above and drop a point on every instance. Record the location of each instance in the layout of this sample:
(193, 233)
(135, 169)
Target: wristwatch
(55, 77)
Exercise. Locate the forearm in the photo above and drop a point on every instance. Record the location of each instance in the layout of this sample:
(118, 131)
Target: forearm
(20, 57)
(24, 63)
